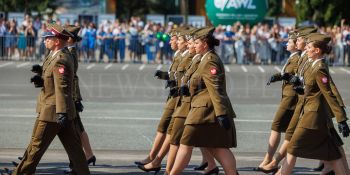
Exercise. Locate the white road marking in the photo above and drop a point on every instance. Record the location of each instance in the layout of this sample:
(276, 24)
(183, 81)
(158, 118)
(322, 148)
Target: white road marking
(227, 68)
(244, 68)
(159, 67)
(128, 118)
(125, 66)
(6, 64)
(22, 65)
(345, 70)
(261, 69)
(277, 68)
(142, 67)
(331, 71)
(108, 66)
(91, 66)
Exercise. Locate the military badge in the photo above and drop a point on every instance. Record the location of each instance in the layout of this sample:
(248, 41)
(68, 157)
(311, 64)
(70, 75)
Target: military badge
(61, 70)
(213, 71)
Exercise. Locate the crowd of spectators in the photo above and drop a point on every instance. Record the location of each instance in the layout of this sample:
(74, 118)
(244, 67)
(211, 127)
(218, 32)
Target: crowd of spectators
(114, 41)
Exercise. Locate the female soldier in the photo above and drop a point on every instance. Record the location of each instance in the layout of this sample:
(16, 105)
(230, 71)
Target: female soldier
(312, 138)
(210, 120)
(71, 45)
(184, 71)
(163, 125)
(184, 59)
(302, 65)
(285, 110)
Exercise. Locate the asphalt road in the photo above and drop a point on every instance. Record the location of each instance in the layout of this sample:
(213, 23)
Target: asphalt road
(123, 104)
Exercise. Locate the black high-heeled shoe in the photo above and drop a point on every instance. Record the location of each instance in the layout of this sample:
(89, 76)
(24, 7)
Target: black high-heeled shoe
(144, 161)
(319, 168)
(201, 167)
(273, 170)
(142, 167)
(20, 158)
(213, 171)
(92, 160)
(140, 163)
(331, 173)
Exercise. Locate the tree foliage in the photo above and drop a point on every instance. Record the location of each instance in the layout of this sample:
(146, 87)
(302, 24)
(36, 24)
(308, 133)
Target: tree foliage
(322, 12)
(128, 8)
(26, 6)
(275, 8)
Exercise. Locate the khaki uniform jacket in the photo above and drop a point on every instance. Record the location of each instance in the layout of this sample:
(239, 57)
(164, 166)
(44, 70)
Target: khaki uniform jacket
(185, 70)
(56, 94)
(303, 64)
(302, 68)
(318, 97)
(171, 101)
(208, 92)
(76, 89)
(181, 68)
(47, 57)
(335, 91)
(287, 88)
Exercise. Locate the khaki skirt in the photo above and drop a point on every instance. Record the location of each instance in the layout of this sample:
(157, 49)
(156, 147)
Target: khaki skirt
(165, 120)
(294, 121)
(319, 144)
(170, 127)
(282, 119)
(177, 130)
(284, 113)
(209, 135)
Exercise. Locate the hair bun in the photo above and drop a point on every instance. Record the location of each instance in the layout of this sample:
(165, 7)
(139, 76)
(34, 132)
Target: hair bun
(328, 49)
(216, 42)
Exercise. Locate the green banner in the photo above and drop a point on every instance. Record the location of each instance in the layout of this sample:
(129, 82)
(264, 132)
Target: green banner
(226, 12)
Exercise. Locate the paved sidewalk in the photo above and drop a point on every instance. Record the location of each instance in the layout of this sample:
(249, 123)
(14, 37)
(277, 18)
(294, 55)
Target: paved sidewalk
(121, 162)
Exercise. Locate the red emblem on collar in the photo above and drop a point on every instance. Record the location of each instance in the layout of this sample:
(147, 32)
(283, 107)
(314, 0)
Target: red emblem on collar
(213, 71)
(324, 80)
(61, 70)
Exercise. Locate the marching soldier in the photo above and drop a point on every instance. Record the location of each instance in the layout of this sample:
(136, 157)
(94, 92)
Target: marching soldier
(210, 122)
(185, 70)
(176, 130)
(285, 110)
(55, 106)
(303, 64)
(172, 83)
(38, 83)
(312, 137)
(71, 45)
(164, 123)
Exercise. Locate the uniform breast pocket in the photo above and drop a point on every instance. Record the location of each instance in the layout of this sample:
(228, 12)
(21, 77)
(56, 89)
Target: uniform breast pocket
(186, 100)
(195, 80)
(311, 105)
(194, 83)
(200, 108)
(180, 69)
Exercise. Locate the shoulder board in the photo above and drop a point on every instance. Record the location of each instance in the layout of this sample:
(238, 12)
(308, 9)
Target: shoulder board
(319, 65)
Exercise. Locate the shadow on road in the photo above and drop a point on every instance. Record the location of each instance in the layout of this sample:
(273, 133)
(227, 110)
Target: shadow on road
(100, 169)
(107, 169)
